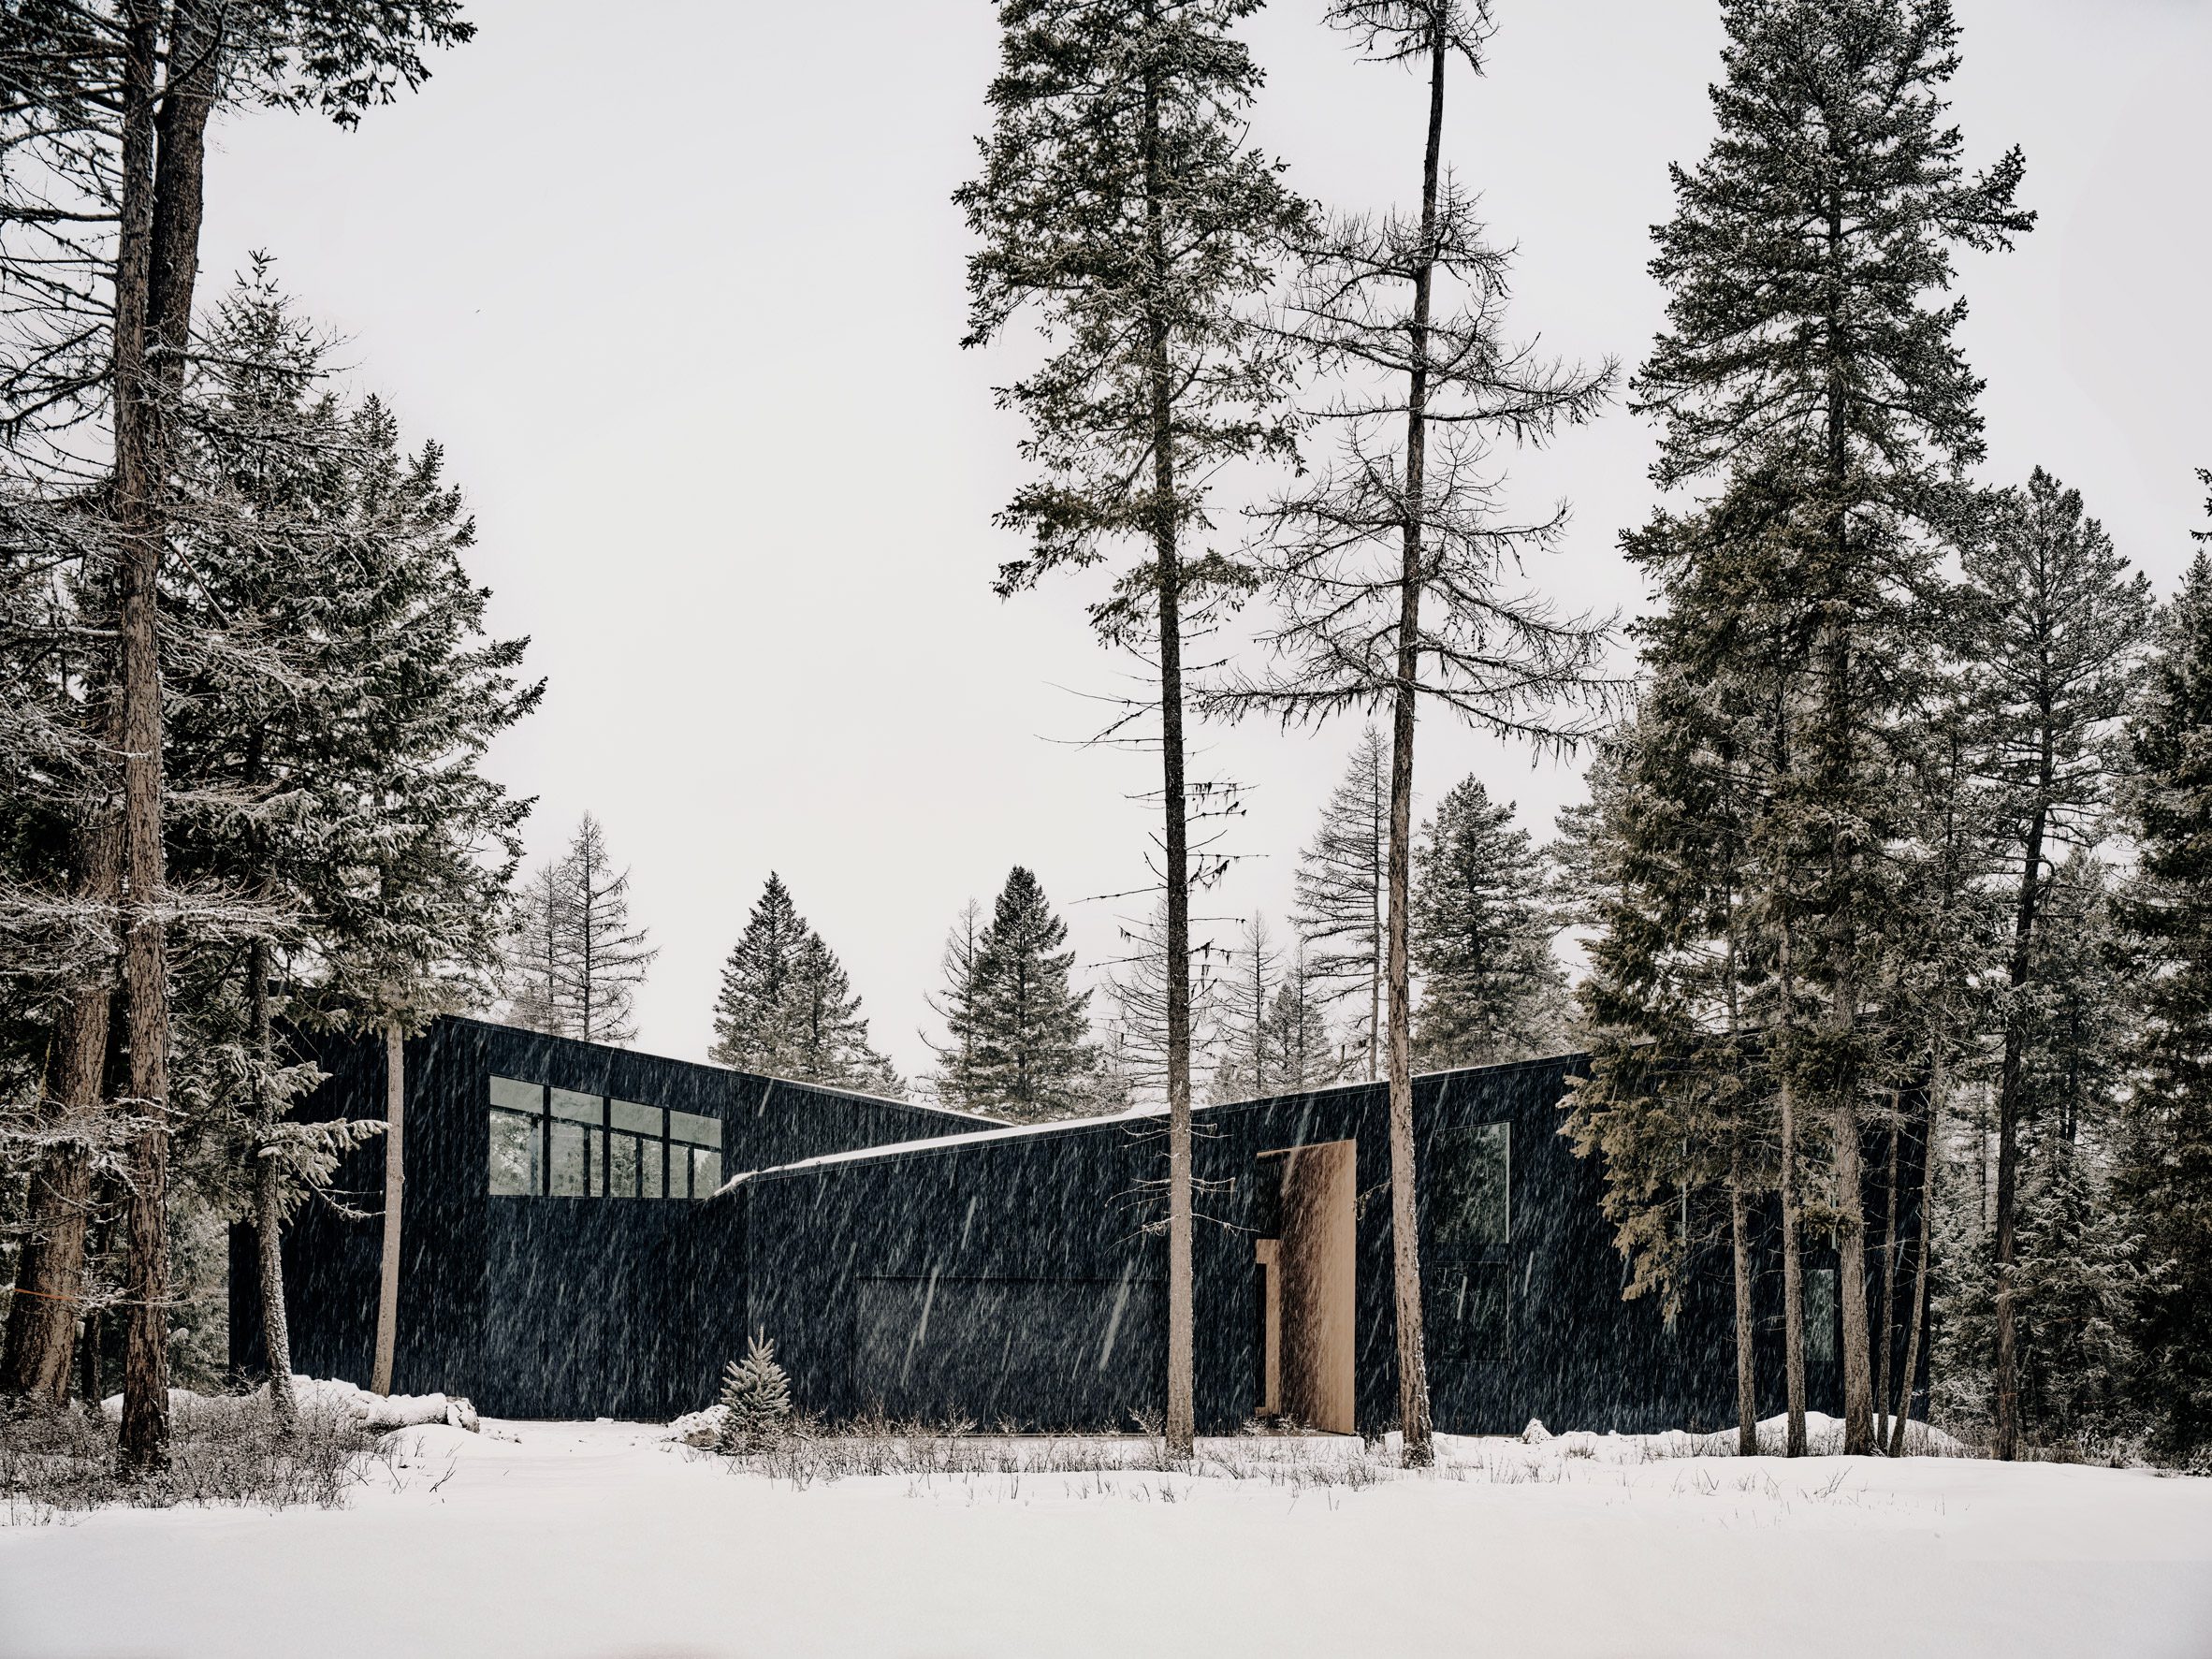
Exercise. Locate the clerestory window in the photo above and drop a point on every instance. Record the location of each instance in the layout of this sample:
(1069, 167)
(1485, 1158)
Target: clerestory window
(563, 1144)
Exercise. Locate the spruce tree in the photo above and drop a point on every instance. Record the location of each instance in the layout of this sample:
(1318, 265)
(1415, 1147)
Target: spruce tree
(2060, 620)
(1808, 376)
(1300, 1052)
(2165, 1174)
(1121, 199)
(326, 644)
(1491, 988)
(755, 1399)
(787, 1007)
(1343, 887)
(1023, 1031)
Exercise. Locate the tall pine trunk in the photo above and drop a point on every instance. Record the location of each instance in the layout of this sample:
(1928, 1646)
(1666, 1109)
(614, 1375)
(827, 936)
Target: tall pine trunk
(1922, 1243)
(276, 1336)
(1747, 1371)
(2009, 1086)
(164, 154)
(1885, 1329)
(1180, 1423)
(51, 1277)
(395, 1190)
(1793, 1274)
(1413, 1370)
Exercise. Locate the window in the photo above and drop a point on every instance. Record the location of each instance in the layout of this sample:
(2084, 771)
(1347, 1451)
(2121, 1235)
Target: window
(1470, 1187)
(565, 1144)
(1819, 1316)
(1469, 1317)
(695, 1155)
(636, 1155)
(518, 1136)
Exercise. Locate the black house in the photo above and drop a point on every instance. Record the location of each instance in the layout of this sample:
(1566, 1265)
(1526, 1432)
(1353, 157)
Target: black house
(590, 1231)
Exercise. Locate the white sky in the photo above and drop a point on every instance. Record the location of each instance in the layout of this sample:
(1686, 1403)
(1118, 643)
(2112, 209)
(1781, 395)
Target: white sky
(681, 295)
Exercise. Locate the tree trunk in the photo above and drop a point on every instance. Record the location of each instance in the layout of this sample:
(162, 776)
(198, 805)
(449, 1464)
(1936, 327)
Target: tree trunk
(1851, 1277)
(395, 1184)
(50, 1274)
(157, 269)
(1888, 1323)
(276, 1337)
(2007, 1358)
(144, 1446)
(1180, 1423)
(1747, 1371)
(89, 1381)
(1923, 1233)
(1413, 1369)
(1792, 1277)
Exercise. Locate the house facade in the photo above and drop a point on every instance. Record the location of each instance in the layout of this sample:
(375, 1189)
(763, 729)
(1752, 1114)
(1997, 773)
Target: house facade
(589, 1231)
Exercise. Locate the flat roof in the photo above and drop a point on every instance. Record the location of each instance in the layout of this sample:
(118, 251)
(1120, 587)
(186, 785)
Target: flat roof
(1134, 1114)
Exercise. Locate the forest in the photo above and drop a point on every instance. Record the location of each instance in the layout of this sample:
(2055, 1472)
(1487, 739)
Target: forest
(1895, 845)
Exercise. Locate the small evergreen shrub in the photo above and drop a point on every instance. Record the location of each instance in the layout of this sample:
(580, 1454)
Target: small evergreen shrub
(756, 1399)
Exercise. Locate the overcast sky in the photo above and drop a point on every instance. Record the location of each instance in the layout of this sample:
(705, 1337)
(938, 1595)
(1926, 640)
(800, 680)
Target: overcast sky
(680, 288)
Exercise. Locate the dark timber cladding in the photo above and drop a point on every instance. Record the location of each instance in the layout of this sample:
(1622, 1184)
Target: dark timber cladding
(1018, 1277)
(567, 1253)
(547, 1267)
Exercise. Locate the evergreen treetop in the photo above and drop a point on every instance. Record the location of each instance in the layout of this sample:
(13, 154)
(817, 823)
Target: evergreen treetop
(1021, 1033)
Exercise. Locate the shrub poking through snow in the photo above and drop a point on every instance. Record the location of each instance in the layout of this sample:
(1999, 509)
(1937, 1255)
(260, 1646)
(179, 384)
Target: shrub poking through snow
(756, 1398)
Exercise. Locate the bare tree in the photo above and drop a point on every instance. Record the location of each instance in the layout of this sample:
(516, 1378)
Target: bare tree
(1398, 578)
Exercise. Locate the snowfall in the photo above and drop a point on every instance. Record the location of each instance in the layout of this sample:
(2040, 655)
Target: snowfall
(609, 1538)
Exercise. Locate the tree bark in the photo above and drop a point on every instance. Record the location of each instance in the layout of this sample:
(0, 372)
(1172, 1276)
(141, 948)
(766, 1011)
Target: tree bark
(2006, 1440)
(395, 1184)
(1747, 1372)
(1413, 1370)
(1792, 1277)
(144, 1446)
(1888, 1322)
(41, 1335)
(1851, 1278)
(1180, 1421)
(276, 1337)
(1922, 1232)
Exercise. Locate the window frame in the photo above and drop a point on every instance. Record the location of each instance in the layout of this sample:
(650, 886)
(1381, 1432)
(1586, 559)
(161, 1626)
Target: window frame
(598, 1133)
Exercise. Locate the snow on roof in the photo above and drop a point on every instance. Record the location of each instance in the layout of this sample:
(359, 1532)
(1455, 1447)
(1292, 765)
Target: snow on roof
(1134, 1114)
(930, 1142)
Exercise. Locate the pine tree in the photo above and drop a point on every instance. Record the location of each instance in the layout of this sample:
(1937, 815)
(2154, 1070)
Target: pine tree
(1121, 198)
(1250, 989)
(1023, 1031)
(2060, 621)
(1491, 988)
(1809, 373)
(1396, 578)
(1677, 1103)
(755, 1399)
(1343, 887)
(2165, 1164)
(787, 1007)
(154, 76)
(1300, 1052)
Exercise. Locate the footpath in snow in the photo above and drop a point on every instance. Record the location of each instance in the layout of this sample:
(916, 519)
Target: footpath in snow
(554, 1539)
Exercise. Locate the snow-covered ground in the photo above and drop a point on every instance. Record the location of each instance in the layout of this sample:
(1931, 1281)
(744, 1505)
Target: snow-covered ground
(547, 1539)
